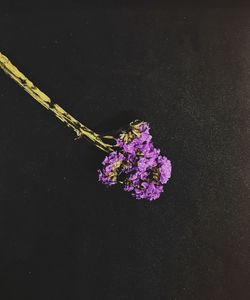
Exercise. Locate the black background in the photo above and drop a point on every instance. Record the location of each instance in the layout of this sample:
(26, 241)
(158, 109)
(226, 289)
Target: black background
(186, 70)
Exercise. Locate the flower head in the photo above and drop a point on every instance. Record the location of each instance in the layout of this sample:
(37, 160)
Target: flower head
(137, 164)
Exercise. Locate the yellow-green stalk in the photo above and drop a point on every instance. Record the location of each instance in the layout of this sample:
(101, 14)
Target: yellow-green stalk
(80, 129)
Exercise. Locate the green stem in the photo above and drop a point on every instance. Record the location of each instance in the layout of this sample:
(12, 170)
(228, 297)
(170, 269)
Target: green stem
(80, 129)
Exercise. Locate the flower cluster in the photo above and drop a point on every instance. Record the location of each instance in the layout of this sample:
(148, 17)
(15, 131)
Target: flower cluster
(137, 164)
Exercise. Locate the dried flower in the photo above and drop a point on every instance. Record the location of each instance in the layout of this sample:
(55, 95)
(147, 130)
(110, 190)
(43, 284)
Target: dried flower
(143, 169)
(133, 161)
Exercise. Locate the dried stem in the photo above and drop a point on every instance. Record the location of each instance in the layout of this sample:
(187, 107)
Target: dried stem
(80, 129)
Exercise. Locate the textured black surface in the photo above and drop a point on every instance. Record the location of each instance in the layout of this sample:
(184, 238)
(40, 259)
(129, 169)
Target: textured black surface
(63, 235)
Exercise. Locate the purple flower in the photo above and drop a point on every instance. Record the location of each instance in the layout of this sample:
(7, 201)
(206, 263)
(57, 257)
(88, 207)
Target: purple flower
(137, 164)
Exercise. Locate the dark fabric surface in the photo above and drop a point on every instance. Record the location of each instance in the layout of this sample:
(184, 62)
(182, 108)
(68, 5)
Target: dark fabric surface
(65, 236)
